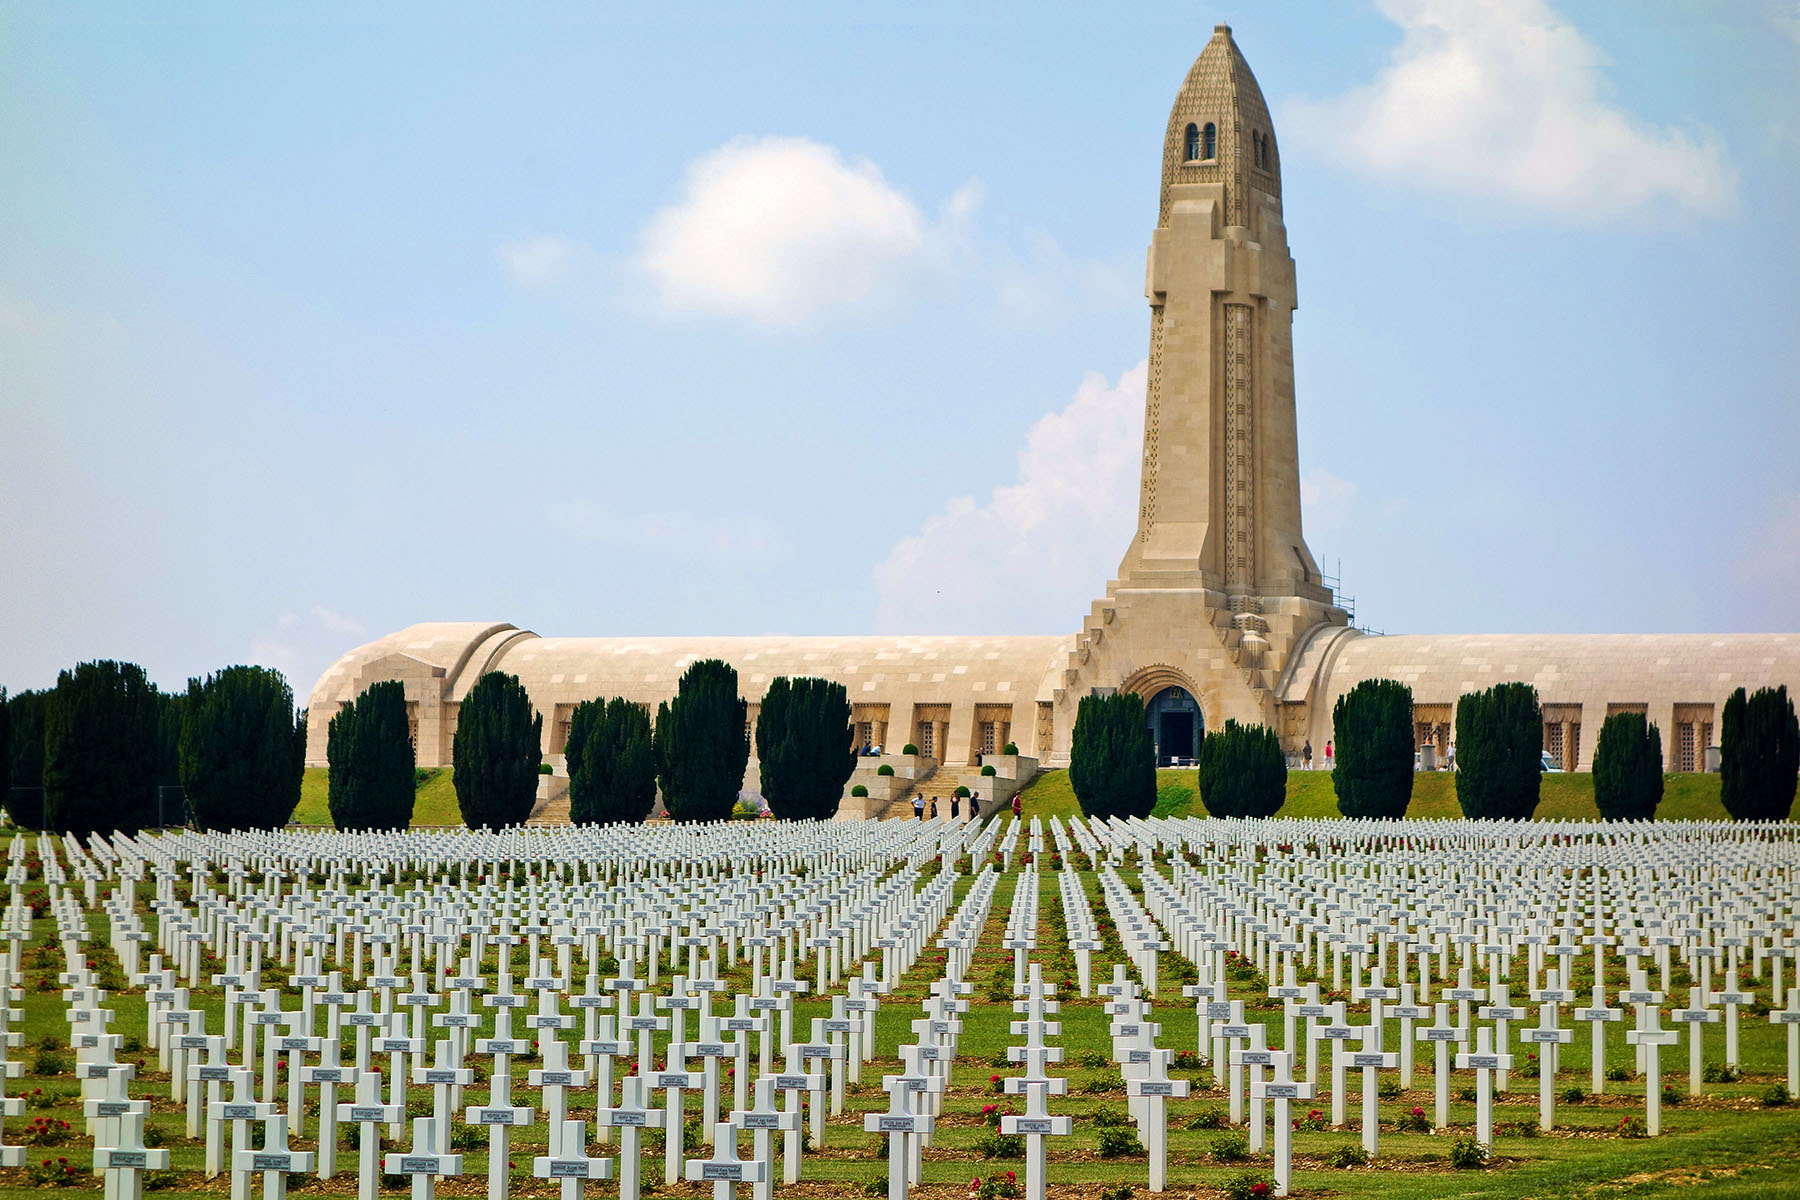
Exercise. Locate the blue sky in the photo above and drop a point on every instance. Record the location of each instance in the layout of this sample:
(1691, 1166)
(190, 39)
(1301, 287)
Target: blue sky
(807, 318)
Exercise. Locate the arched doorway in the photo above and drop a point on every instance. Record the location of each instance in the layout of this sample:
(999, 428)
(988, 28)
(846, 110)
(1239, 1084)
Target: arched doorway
(1176, 725)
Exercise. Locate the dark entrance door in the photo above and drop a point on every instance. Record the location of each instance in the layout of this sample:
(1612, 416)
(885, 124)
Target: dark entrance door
(1177, 734)
(1176, 724)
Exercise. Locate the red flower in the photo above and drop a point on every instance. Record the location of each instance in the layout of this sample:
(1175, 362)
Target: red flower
(1259, 1189)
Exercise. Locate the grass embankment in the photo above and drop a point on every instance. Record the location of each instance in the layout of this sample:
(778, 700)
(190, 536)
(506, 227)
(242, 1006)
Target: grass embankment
(1565, 797)
(434, 801)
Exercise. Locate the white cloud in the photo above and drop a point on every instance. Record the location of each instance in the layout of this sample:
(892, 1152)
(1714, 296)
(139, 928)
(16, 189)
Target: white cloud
(1503, 98)
(1326, 500)
(777, 230)
(301, 645)
(541, 260)
(1029, 556)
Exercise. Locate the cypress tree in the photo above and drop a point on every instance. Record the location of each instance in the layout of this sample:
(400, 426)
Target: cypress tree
(5, 746)
(1499, 752)
(1759, 755)
(803, 747)
(1243, 771)
(612, 763)
(25, 797)
(100, 750)
(496, 752)
(1373, 775)
(1112, 757)
(1628, 769)
(241, 753)
(703, 743)
(370, 751)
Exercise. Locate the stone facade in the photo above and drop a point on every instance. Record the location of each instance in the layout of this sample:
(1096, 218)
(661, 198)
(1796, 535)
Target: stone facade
(1217, 594)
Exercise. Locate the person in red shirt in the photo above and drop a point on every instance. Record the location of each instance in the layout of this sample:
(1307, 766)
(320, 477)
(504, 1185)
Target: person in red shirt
(1018, 808)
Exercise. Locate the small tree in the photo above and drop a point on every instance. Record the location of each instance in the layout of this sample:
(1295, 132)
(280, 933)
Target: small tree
(803, 747)
(495, 754)
(1243, 771)
(370, 752)
(100, 750)
(703, 743)
(1112, 757)
(25, 798)
(1373, 775)
(612, 763)
(1499, 752)
(241, 753)
(1628, 768)
(1759, 755)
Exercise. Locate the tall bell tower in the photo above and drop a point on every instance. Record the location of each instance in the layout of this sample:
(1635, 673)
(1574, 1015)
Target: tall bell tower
(1218, 592)
(1219, 501)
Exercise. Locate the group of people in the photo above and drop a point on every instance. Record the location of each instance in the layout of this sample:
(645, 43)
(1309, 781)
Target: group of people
(919, 804)
(1306, 755)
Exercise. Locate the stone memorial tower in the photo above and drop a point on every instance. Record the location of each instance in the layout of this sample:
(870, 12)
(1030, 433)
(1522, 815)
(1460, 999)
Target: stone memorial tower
(1218, 585)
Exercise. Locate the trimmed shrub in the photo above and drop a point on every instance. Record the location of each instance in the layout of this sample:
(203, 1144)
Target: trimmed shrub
(859, 790)
(370, 751)
(962, 793)
(1009, 748)
(496, 753)
(909, 748)
(1373, 726)
(803, 747)
(242, 752)
(703, 743)
(612, 763)
(1628, 768)
(989, 770)
(1759, 755)
(100, 750)
(24, 798)
(1112, 758)
(885, 769)
(1243, 771)
(1499, 752)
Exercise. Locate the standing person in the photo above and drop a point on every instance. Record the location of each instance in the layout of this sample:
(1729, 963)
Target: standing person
(919, 805)
(1306, 754)
(1018, 807)
(974, 805)
(1328, 754)
(955, 806)
(934, 808)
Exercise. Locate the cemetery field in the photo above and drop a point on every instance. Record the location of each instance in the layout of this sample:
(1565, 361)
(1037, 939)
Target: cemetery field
(1141, 911)
(1564, 796)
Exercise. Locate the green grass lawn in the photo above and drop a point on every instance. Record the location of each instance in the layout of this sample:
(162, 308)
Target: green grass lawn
(1567, 797)
(434, 802)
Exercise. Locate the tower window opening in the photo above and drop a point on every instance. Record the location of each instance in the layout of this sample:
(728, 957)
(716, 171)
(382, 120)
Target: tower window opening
(1193, 142)
(1209, 141)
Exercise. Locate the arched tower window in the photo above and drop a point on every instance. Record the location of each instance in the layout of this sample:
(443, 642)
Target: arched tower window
(1209, 141)
(1193, 143)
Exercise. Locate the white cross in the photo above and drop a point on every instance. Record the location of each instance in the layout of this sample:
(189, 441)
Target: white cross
(725, 1170)
(1549, 1039)
(1790, 1016)
(426, 1161)
(499, 1114)
(1650, 1037)
(1484, 1062)
(370, 1113)
(1034, 1125)
(571, 1163)
(1155, 1088)
(1696, 1016)
(1372, 1059)
(630, 1118)
(1283, 1089)
(555, 1078)
(1597, 1015)
(900, 1124)
(673, 1082)
(274, 1162)
(763, 1121)
(1732, 998)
